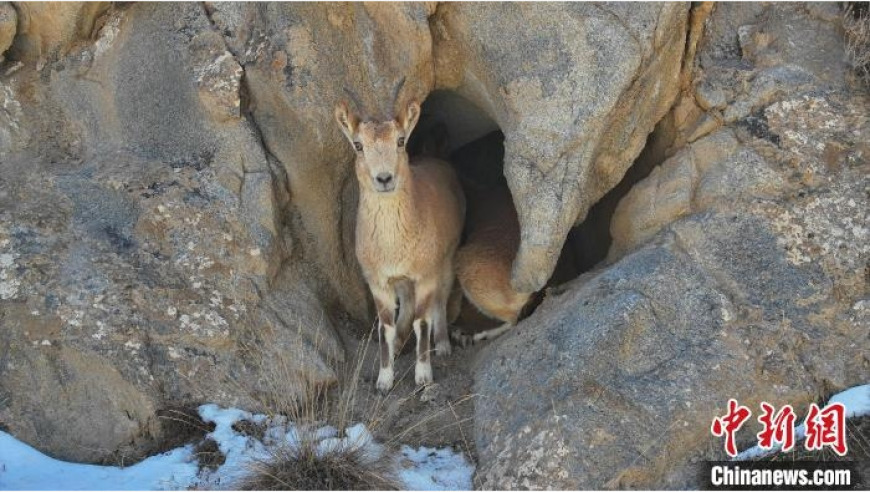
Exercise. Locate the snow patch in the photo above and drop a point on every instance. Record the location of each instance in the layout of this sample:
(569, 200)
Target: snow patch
(856, 400)
(434, 469)
(857, 403)
(24, 468)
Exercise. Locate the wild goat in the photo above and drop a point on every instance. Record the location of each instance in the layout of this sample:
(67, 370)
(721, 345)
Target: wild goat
(408, 226)
(483, 263)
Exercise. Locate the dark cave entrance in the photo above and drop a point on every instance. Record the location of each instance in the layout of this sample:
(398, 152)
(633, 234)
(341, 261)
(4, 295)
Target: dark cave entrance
(454, 129)
(588, 243)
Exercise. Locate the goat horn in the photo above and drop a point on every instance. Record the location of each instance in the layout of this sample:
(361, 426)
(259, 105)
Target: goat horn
(396, 92)
(353, 97)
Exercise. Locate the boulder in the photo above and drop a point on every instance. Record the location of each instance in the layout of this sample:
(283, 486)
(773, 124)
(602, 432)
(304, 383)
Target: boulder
(576, 89)
(716, 168)
(8, 25)
(629, 365)
(141, 243)
(45, 30)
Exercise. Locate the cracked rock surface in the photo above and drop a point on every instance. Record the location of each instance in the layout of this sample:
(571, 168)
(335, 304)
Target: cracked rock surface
(141, 242)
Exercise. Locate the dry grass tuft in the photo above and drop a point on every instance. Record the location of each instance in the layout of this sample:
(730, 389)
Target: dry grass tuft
(285, 393)
(179, 426)
(288, 394)
(856, 23)
(302, 468)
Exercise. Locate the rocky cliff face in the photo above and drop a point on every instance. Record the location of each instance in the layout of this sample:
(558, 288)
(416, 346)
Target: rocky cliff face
(738, 269)
(177, 210)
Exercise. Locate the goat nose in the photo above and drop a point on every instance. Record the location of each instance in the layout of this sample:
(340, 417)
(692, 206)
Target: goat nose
(384, 178)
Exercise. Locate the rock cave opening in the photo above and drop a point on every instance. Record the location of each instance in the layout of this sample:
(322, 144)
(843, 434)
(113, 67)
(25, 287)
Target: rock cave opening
(453, 128)
(588, 242)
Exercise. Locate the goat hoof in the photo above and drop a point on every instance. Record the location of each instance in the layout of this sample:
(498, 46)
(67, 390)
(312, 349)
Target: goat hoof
(442, 348)
(423, 374)
(385, 380)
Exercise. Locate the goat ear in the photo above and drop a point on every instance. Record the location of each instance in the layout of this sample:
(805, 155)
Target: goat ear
(348, 121)
(409, 117)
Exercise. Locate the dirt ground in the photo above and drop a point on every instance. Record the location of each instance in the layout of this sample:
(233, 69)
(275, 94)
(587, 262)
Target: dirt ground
(437, 416)
(440, 415)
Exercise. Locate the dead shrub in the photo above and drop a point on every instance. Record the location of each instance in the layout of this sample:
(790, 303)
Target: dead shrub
(856, 23)
(179, 426)
(302, 468)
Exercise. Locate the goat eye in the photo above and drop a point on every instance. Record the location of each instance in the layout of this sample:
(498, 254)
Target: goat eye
(401, 142)
(357, 146)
